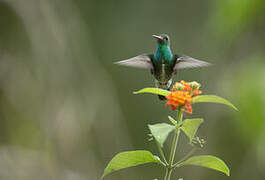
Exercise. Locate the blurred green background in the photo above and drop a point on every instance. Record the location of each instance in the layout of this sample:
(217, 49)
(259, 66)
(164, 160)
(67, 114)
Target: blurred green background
(66, 110)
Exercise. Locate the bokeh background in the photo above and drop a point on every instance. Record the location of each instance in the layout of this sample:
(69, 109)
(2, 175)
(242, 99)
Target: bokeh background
(66, 109)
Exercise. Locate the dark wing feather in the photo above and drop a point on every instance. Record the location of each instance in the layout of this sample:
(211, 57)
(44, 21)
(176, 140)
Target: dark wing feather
(183, 62)
(143, 61)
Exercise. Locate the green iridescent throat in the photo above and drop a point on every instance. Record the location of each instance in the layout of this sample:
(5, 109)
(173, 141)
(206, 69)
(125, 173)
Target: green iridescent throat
(163, 53)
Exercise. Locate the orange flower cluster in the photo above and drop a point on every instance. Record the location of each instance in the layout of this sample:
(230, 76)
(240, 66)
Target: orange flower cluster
(179, 98)
(192, 87)
(181, 95)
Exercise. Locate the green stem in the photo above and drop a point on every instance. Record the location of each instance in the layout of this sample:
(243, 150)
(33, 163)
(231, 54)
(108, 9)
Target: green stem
(166, 175)
(162, 153)
(185, 157)
(173, 148)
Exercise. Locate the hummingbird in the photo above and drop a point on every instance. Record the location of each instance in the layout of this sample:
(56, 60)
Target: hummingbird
(163, 64)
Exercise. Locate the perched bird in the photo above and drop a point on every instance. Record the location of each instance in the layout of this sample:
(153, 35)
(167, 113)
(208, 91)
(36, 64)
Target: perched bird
(163, 64)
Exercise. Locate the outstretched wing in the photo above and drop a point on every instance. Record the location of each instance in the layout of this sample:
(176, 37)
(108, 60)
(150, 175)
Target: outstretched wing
(143, 61)
(183, 62)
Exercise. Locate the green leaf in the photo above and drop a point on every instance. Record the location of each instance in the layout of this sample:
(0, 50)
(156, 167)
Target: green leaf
(130, 159)
(157, 91)
(172, 120)
(213, 99)
(207, 161)
(190, 127)
(160, 132)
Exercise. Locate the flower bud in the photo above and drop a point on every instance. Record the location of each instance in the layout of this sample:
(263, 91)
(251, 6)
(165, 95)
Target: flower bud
(195, 85)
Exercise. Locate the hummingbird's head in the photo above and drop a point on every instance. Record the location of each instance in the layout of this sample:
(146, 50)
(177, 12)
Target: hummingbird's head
(162, 39)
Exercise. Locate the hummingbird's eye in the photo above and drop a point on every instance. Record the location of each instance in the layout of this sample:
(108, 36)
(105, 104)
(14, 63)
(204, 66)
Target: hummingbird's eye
(166, 38)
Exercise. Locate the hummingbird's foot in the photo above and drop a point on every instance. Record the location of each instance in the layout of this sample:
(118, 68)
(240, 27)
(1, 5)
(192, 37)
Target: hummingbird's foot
(169, 84)
(163, 85)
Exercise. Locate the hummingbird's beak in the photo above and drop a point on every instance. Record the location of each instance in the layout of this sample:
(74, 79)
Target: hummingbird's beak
(157, 37)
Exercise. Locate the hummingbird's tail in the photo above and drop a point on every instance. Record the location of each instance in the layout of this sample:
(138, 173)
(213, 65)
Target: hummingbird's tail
(162, 98)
